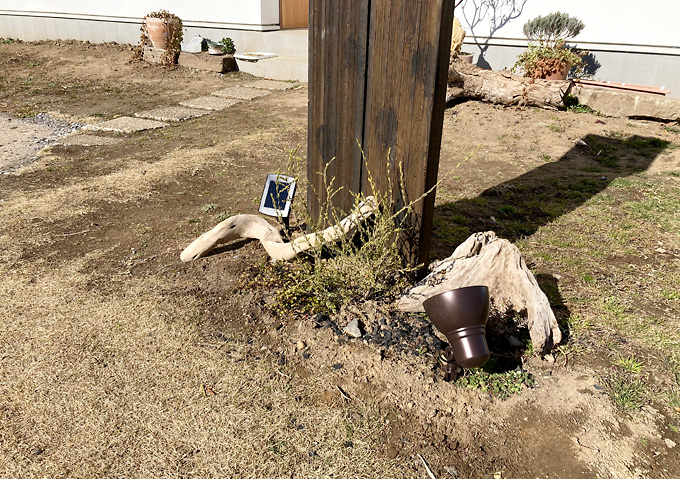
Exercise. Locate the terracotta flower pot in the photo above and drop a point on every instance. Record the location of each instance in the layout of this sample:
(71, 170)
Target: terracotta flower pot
(160, 31)
(560, 75)
(461, 316)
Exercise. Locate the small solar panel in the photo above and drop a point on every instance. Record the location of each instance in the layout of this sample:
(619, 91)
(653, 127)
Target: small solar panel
(277, 195)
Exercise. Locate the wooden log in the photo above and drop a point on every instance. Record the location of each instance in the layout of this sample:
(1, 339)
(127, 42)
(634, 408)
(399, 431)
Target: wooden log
(502, 87)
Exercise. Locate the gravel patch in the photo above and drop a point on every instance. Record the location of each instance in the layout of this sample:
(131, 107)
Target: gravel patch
(22, 139)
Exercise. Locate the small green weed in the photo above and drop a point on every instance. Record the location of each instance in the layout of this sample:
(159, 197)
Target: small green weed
(6, 41)
(670, 295)
(587, 278)
(628, 391)
(209, 207)
(223, 216)
(556, 128)
(591, 169)
(280, 448)
(573, 105)
(579, 108)
(500, 385)
(630, 364)
(672, 129)
(507, 210)
(622, 183)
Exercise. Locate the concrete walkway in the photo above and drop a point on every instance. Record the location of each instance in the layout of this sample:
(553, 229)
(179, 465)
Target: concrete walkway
(194, 108)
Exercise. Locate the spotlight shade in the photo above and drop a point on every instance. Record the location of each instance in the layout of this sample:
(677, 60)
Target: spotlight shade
(461, 316)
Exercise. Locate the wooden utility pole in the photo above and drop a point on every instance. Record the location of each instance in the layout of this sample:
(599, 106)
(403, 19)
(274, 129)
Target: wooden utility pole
(377, 78)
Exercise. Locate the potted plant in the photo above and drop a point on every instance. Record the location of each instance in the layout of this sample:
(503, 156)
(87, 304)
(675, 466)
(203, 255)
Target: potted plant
(227, 45)
(223, 47)
(164, 30)
(548, 55)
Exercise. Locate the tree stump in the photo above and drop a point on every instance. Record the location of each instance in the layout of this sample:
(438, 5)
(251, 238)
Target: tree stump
(484, 259)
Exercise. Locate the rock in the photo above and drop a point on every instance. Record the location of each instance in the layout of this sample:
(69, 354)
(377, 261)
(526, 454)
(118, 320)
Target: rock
(353, 329)
(300, 345)
(484, 259)
(669, 443)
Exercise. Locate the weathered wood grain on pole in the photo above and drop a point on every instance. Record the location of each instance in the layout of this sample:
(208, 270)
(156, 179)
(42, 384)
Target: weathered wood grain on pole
(337, 76)
(378, 71)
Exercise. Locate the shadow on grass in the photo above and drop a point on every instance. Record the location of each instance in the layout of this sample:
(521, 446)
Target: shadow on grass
(518, 207)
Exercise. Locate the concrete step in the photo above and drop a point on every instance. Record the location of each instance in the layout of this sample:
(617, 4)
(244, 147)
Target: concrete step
(285, 67)
(285, 42)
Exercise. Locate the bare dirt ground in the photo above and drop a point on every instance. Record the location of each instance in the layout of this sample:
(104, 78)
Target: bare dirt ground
(117, 360)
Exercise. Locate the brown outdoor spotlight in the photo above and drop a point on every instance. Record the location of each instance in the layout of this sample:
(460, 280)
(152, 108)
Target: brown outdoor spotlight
(461, 316)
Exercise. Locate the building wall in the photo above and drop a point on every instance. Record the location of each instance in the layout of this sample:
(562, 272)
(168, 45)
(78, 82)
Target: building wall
(628, 43)
(119, 21)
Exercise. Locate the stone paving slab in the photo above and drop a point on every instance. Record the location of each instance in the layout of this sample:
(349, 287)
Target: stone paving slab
(88, 140)
(172, 113)
(209, 103)
(127, 124)
(241, 93)
(270, 85)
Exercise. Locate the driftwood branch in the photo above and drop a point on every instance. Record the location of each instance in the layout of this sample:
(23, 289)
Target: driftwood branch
(502, 87)
(484, 259)
(255, 227)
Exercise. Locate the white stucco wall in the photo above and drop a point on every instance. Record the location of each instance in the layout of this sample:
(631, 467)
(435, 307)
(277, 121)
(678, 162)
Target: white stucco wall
(630, 41)
(624, 25)
(245, 13)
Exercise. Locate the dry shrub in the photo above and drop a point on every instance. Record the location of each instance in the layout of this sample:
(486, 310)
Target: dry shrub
(366, 264)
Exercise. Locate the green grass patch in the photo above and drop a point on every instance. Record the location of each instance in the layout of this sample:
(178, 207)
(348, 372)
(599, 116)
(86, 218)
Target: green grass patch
(499, 385)
(672, 295)
(628, 391)
(207, 208)
(630, 364)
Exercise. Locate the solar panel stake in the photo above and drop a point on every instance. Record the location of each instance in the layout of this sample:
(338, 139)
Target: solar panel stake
(277, 197)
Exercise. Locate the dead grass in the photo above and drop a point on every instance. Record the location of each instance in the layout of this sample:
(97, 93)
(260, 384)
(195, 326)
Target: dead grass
(32, 212)
(126, 385)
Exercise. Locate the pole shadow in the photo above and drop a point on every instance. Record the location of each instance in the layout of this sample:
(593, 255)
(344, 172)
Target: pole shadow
(518, 207)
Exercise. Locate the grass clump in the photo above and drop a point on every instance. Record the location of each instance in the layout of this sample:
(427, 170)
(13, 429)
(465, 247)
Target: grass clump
(627, 390)
(501, 385)
(363, 265)
(630, 364)
(209, 207)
